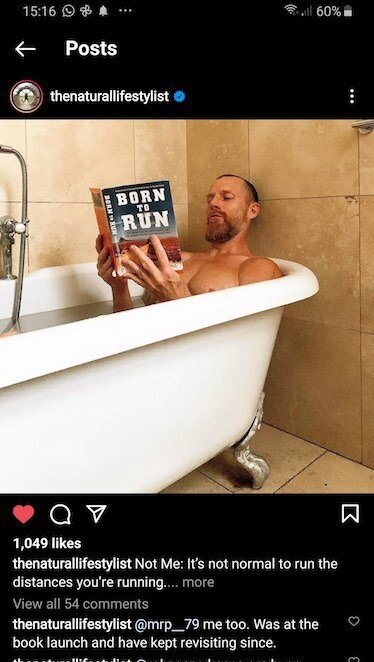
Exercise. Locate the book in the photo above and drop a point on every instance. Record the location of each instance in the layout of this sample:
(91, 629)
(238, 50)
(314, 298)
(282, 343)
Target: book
(130, 214)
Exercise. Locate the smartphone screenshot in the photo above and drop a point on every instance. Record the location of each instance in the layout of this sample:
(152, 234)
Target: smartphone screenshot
(186, 332)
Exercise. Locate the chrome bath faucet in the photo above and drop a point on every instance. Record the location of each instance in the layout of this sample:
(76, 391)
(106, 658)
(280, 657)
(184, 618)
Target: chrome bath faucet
(8, 229)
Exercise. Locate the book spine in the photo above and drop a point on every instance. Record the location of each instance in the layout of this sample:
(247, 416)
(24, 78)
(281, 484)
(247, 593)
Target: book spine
(103, 223)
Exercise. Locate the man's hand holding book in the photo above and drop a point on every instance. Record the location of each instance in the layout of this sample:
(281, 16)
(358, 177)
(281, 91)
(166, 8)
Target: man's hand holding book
(105, 269)
(161, 280)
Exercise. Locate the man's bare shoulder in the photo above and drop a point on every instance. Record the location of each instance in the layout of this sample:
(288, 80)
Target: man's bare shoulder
(257, 269)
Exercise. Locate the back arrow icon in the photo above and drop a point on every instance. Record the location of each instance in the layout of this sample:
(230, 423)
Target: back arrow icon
(20, 48)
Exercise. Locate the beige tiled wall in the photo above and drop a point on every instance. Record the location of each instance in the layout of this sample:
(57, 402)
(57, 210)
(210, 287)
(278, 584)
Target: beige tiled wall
(66, 157)
(214, 147)
(12, 133)
(317, 232)
(367, 261)
(303, 159)
(316, 184)
(367, 345)
(317, 180)
(367, 293)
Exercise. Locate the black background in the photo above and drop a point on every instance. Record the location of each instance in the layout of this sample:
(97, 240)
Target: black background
(214, 526)
(234, 60)
(237, 60)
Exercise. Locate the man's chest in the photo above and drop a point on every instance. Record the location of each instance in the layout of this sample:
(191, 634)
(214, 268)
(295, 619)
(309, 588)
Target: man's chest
(212, 275)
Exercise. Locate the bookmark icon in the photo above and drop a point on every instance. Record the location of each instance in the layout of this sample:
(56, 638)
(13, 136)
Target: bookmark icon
(97, 511)
(350, 511)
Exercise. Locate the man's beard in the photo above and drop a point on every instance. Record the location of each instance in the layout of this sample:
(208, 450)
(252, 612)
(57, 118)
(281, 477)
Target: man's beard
(221, 233)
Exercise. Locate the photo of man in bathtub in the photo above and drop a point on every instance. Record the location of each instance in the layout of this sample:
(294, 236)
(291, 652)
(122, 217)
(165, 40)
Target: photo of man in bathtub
(232, 205)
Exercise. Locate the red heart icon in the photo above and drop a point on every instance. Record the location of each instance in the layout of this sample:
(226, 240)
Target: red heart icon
(23, 513)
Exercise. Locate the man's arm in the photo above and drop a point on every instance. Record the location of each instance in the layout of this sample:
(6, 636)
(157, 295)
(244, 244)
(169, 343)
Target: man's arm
(105, 266)
(255, 270)
(121, 297)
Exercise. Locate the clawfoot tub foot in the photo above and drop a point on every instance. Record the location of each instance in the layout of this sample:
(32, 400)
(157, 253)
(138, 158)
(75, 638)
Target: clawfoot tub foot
(257, 468)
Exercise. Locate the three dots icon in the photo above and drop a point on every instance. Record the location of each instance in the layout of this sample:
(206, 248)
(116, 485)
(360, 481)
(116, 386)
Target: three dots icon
(352, 95)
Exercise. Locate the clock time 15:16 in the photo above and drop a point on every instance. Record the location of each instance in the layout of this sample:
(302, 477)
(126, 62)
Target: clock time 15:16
(36, 11)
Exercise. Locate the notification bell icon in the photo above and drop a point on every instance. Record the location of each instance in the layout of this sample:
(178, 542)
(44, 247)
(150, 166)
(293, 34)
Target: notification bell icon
(103, 11)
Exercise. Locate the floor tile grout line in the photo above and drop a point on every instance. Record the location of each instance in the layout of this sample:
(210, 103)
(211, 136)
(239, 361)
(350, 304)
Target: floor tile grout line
(215, 481)
(297, 436)
(300, 472)
(233, 491)
(327, 450)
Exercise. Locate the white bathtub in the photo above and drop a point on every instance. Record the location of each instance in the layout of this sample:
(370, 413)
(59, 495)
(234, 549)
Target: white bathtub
(133, 401)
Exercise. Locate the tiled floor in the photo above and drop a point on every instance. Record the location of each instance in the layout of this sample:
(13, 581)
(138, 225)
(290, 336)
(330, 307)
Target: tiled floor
(297, 466)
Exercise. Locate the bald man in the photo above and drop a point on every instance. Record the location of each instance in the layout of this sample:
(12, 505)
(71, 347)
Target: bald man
(232, 204)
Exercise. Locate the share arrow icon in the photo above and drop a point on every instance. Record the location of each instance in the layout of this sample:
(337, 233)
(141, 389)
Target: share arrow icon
(96, 511)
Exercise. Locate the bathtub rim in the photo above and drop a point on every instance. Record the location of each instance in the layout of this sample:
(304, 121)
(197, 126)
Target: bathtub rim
(33, 354)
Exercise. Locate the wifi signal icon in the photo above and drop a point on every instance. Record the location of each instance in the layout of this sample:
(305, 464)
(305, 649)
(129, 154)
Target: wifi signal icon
(291, 9)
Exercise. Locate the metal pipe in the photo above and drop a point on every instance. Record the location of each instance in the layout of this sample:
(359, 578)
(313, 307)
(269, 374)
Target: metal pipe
(21, 266)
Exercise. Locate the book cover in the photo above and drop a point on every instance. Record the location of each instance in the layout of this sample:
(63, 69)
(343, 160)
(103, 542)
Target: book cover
(130, 214)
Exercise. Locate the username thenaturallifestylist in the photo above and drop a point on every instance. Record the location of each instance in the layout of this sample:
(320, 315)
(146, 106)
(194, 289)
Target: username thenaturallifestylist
(111, 96)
